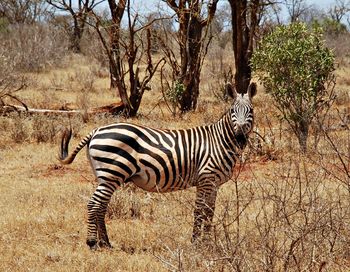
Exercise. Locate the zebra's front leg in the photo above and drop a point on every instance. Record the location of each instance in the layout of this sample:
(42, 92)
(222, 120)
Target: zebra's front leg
(97, 207)
(204, 211)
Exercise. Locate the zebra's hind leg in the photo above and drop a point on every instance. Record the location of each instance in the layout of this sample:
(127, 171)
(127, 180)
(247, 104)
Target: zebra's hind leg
(204, 211)
(97, 207)
(103, 240)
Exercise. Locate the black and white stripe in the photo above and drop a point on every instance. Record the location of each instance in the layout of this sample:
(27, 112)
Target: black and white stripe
(164, 161)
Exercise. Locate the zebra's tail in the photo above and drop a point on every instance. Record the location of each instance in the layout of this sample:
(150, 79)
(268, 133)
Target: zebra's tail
(64, 156)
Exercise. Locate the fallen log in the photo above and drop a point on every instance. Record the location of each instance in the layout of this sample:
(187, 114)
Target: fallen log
(113, 109)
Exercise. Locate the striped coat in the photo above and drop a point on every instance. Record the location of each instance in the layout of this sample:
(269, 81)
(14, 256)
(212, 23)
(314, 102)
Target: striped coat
(163, 161)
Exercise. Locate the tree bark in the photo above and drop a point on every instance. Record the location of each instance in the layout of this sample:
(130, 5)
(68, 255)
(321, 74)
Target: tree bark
(76, 35)
(190, 36)
(117, 12)
(302, 134)
(244, 23)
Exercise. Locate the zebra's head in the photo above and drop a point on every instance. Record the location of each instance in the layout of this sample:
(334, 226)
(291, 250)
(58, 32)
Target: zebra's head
(242, 111)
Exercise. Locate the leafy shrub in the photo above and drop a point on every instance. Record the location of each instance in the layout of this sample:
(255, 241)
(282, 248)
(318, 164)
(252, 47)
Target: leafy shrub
(174, 94)
(331, 27)
(296, 68)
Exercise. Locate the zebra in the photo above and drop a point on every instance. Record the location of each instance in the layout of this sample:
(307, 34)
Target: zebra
(162, 161)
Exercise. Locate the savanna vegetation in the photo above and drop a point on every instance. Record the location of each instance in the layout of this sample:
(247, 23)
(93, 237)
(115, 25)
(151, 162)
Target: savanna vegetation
(286, 207)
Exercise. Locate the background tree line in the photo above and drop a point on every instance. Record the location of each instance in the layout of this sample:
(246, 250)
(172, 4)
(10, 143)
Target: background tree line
(135, 45)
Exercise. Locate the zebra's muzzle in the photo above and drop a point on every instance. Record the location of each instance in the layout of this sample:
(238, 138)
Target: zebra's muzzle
(242, 129)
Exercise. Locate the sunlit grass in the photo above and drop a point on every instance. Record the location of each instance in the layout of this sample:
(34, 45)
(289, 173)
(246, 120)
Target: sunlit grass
(278, 197)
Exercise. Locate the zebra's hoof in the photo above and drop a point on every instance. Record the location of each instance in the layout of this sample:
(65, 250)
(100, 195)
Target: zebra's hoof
(92, 244)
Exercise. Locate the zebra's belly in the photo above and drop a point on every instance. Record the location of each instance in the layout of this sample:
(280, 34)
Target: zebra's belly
(147, 183)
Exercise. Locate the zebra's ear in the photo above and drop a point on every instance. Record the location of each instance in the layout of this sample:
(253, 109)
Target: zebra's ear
(252, 90)
(230, 90)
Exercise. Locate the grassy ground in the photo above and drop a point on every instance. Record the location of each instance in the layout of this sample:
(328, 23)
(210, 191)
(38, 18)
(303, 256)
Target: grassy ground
(284, 211)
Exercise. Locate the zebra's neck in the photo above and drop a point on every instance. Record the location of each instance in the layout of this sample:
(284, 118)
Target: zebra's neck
(228, 137)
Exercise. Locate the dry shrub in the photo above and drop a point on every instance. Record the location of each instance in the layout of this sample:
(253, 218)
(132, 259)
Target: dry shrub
(262, 145)
(268, 138)
(334, 156)
(19, 129)
(74, 79)
(99, 71)
(37, 127)
(4, 126)
(15, 127)
(126, 204)
(57, 81)
(83, 102)
(343, 96)
(34, 47)
(87, 88)
(298, 220)
(293, 219)
(91, 46)
(340, 46)
(11, 81)
(46, 128)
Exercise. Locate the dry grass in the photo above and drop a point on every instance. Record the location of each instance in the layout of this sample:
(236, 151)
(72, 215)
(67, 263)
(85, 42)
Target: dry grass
(283, 212)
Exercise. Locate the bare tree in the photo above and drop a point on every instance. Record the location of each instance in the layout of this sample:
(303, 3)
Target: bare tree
(191, 39)
(22, 11)
(78, 13)
(339, 10)
(313, 14)
(160, 24)
(219, 25)
(275, 13)
(126, 50)
(295, 9)
(245, 21)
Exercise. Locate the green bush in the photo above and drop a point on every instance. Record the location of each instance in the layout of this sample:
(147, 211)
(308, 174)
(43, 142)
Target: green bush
(296, 68)
(174, 94)
(4, 23)
(331, 27)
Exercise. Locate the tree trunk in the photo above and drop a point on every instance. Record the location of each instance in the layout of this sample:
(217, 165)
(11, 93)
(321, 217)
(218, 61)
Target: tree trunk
(115, 68)
(189, 97)
(76, 36)
(135, 101)
(244, 23)
(302, 134)
(117, 12)
(192, 51)
(190, 60)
